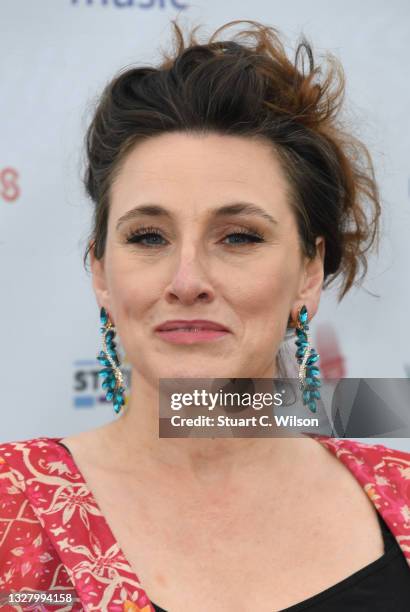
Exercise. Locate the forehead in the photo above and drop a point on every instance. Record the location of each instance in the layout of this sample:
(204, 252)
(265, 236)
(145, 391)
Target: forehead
(180, 169)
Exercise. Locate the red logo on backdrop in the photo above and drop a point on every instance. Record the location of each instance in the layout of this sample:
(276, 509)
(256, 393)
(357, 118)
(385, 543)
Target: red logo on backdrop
(332, 361)
(9, 187)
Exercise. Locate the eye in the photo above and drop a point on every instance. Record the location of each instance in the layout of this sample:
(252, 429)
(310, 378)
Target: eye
(245, 237)
(152, 237)
(145, 233)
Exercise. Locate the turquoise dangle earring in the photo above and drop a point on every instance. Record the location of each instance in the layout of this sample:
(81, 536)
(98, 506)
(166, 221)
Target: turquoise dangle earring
(307, 359)
(112, 377)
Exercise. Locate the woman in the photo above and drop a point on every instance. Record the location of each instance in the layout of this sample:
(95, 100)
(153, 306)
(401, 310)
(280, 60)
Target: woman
(225, 190)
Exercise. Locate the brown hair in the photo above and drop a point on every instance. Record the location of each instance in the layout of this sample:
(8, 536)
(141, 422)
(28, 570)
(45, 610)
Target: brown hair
(248, 88)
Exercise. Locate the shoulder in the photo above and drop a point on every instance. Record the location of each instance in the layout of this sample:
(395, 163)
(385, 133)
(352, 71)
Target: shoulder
(362, 450)
(26, 467)
(13, 446)
(15, 457)
(27, 556)
(24, 461)
(15, 452)
(376, 466)
(384, 474)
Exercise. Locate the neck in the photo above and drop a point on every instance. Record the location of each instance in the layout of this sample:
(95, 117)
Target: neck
(135, 438)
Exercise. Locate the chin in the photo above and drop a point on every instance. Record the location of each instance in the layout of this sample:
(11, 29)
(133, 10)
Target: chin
(190, 371)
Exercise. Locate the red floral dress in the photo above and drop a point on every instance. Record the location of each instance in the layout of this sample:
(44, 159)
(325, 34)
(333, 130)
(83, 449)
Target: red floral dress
(54, 538)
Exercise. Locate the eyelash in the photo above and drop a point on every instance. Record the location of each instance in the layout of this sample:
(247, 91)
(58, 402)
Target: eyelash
(135, 237)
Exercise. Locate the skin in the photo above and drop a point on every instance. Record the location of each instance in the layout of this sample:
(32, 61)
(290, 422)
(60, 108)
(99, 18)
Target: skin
(167, 497)
(195, 269)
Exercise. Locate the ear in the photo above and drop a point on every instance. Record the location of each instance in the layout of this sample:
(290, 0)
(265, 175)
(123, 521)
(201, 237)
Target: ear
(312, 281)
(99, 281)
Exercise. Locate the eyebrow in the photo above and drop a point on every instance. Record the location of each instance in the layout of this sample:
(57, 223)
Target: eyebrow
(233, 208)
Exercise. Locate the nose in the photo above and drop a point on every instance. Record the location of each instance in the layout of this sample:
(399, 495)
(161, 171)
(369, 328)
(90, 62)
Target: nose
(190, 282)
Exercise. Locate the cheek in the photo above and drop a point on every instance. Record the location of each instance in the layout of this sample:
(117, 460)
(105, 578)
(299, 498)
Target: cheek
(263, 303)
(267, 291)
(130, 289)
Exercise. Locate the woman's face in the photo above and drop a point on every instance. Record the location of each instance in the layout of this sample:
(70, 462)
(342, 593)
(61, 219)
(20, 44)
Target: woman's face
(241, 267)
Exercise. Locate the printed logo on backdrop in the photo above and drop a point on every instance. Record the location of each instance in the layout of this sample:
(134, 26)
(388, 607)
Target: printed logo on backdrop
(9, 186)
(332, 359)
(88, 392)
(148, 4)
(333, 362)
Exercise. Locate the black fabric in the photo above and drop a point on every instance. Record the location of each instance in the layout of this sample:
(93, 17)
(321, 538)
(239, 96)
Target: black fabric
(381, 586)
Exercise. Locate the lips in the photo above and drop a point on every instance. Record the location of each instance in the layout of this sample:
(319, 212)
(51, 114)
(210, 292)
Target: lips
(193, 325)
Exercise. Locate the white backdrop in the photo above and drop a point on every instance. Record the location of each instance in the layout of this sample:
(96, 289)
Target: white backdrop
(56, 56)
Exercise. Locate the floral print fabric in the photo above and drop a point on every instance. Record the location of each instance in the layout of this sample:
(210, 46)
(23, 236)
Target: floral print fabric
(54, 538)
